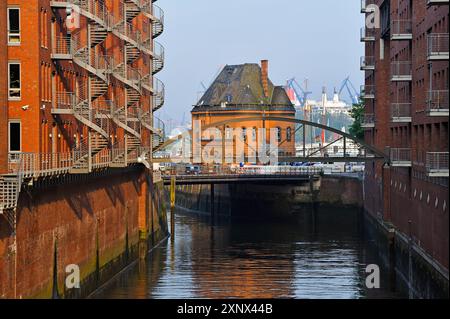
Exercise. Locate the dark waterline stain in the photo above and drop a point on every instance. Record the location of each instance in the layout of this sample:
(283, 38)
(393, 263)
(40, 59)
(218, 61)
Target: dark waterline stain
(324, 257)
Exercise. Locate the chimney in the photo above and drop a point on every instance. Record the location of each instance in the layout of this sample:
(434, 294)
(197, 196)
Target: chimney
(265, 76)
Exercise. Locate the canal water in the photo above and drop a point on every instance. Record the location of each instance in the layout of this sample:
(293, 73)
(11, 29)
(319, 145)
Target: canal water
(323, 256)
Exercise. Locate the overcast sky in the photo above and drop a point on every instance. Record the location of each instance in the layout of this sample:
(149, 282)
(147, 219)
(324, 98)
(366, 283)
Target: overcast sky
(318, 40)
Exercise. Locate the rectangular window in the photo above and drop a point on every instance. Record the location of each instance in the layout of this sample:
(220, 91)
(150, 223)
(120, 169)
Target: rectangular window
(15, 137)
(13, 26)
(45, 30)
(14, 84)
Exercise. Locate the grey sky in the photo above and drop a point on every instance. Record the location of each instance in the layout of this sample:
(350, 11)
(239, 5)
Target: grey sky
(318, 40)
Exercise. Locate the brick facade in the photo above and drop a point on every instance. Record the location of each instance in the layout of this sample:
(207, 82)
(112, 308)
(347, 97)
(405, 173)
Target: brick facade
(407, 193)
(74, 191)
(3, 98)
(122, 51)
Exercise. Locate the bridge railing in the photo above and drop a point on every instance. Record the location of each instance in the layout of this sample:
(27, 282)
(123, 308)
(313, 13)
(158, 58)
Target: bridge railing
(219, 170)
(278, 170)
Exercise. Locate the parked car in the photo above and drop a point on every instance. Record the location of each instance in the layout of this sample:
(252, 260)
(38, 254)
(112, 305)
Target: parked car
(297, 164)
(193, 170)
(283, 164)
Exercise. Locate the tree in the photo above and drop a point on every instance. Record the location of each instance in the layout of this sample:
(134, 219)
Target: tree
(357, 113)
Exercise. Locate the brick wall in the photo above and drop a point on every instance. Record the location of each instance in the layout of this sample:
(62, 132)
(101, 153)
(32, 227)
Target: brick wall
(417, 205)
(287, 147)
(94, 223)
(3, 92)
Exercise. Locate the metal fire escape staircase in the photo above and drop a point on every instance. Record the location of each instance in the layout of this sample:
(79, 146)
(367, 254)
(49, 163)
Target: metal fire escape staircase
(158, 139)
(10, 186)
(101, 23)
(158, 58)
(127, 118)
(157, 18)
(99, 68)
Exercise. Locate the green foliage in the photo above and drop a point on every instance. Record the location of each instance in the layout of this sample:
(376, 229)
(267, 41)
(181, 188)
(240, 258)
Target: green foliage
(357, 113)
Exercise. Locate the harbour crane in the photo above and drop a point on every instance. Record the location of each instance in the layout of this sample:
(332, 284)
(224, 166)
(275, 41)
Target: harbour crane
(352, 92)
(302, 94)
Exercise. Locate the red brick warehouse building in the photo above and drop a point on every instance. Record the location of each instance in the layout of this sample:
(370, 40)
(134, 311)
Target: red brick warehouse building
(78, 98)
(406, 100)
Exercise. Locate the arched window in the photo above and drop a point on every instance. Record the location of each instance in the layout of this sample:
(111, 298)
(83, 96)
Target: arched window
(227, 133)
(279, 134)
(244, 133)
(254, 136)
(288, 134)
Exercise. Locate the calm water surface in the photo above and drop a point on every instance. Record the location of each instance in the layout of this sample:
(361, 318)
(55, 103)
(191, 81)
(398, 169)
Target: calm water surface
(323, 257)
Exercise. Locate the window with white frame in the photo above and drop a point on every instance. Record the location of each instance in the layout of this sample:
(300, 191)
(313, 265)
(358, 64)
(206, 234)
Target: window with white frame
(14, 83)
(13, 26)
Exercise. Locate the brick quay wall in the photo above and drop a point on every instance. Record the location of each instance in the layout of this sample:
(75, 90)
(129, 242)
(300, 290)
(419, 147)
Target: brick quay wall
(100, 223)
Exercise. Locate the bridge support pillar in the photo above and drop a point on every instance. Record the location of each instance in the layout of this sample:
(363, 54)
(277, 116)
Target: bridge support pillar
(386, 188)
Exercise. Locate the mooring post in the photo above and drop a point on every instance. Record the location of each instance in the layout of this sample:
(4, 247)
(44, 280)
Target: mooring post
(345, 154)
(212, 202)
(172, 206)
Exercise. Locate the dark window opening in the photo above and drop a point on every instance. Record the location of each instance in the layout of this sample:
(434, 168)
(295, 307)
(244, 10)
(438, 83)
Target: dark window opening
(14, 80)
(14, 137)
(288, 134)
(13, 25)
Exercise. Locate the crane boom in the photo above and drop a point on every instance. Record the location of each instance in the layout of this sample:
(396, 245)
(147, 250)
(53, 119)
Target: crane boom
(352, 92)
(302, 94)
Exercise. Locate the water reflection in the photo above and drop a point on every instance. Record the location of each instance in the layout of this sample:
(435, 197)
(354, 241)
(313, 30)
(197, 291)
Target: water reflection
(320, 256)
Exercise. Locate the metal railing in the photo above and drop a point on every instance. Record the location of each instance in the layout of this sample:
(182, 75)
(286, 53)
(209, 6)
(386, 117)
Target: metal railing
(400, 155)
(231, 171)
(367, 91)
(438, 45)
(93, 9)
(65, 100)
(10, 188)
(437, 161)
(38, 164)
(368, 119)
(133, 119)
(400, 111)
(368, 34)
(102, 159)
(365, 4)
(102, 63)
(133, 75)
(158, 57)
(400, 28)
(401, 69)
(367, 62)
(129, 31)
(437, 101)
(158, 23)
(158, 94)
(62, 45)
